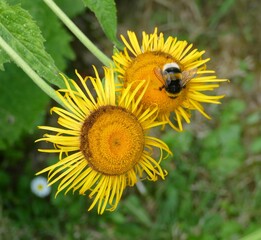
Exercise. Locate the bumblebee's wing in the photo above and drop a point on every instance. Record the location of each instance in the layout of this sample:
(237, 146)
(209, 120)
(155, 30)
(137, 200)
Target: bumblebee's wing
(159, 75)
(188, 75)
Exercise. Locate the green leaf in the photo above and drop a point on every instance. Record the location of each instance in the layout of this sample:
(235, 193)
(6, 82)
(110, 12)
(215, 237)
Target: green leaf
(105, 11)
(22, 105)
(57, 37)
(20, 31)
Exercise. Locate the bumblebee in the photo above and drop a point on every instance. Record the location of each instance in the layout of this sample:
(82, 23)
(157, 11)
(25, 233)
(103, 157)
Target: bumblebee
(173, 79)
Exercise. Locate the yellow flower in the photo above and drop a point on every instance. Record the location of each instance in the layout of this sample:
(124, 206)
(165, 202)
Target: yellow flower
(103, 141)
(148, 62)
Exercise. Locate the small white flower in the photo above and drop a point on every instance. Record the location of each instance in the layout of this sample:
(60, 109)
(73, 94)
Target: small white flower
(39, 187)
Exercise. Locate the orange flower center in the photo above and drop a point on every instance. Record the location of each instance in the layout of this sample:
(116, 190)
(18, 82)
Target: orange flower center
(112, 140)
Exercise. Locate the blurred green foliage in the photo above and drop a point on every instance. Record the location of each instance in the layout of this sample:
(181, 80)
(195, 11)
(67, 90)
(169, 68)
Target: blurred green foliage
(213, 189)
(19, 114)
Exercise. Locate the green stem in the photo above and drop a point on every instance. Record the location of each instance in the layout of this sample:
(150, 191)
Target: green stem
(30, 72)
(78, 33)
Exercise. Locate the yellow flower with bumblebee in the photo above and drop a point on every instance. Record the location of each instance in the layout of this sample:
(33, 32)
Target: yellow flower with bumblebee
(177, 75)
